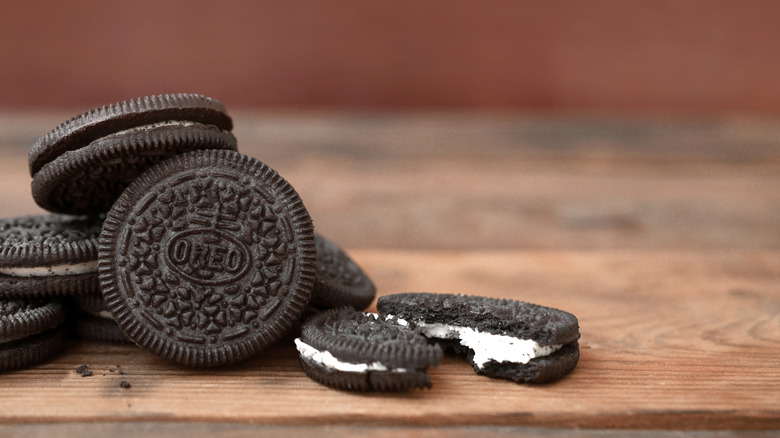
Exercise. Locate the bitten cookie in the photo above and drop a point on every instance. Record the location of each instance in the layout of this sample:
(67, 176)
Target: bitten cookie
(83, 165)
(502, 338)
(347, 349)
(45, 255)
(207, 258)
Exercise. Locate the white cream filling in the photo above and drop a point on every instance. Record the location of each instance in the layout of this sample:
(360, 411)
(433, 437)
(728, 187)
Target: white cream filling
(327, 359)
(43, 271)
(486, 346)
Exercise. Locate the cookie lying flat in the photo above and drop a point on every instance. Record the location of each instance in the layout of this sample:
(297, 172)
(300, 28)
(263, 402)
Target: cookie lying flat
(82, 166)
(48, 254)
(30, 350)
(506, 339)
(339, 281)
(29, 331)
(207, 258)
(347, 349)
(22, 317)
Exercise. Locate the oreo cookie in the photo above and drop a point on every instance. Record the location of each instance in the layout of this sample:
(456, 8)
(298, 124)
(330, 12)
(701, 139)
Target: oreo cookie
(207, 258)
(29, 331)
(30, 350)
(44, 255)
(22, 317)
(94, 322)
(83, 165)
(347, 349)
(339, 281)
(507, 339)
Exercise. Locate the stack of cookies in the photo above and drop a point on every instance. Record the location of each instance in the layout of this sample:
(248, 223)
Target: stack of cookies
(163, 235)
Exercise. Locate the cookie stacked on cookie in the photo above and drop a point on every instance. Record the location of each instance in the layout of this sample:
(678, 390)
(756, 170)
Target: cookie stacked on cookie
(206, 256)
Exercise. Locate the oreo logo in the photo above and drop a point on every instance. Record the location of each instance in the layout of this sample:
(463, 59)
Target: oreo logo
(207, 256)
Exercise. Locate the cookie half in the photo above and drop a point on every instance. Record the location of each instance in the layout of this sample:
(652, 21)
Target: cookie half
(207, 258)
(46, 255)
(89, 179)
(339, 281)
(85, 128)
(347, 349)
(507, 339)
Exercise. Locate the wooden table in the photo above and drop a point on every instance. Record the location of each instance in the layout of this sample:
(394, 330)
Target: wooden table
(661, 234)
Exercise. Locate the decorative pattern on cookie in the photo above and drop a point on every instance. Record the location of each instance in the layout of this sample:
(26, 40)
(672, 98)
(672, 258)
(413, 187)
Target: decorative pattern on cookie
(502, 338)
(340, 281)
(45, 255)
(89, 179)
(347, 349)
(207, 258)
(22, 317)
(85, 128)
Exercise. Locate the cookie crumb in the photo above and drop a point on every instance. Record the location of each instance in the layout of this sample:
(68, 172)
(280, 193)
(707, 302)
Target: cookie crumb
(124, 384)
(82, 369)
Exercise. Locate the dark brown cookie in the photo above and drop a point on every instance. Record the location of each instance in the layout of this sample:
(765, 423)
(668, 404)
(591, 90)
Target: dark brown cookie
(30, 350)
(207, 258)
(89, 179)
(22, 317)
(347, 349)
(99, 329)
(46, 255)
(340, 281)
(502, 338)
(99, 122)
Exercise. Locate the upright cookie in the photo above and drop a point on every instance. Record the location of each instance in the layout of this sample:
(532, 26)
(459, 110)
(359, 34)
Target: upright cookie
(207, 258)
(83, 165)
(340, 281)
(347, 349)
(50, 254)
(502, 338)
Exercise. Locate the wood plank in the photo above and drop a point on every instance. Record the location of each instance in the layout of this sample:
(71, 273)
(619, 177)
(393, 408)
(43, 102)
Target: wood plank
(469, 180)
(246, 430)
(670, 340)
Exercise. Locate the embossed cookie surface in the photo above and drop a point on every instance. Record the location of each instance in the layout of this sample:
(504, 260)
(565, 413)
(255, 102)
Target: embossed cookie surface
(340, 281)
(347, 349)
(207, 258)
(88, 180)
(48, 254)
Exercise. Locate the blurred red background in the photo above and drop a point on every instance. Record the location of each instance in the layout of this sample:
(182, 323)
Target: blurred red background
(662, 55)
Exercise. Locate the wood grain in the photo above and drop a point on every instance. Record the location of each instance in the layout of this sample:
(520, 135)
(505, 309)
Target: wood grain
(661, 235)
(669, 340)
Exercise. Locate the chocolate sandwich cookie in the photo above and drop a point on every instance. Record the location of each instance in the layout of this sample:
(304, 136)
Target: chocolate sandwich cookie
(49, 254)
(339, 281)
(502, 338)
(207, 258)
(31, 349)
(94, 322)
(83, 165)
(99, 329)
(29, 331)
(22, 317)
(347, 349)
